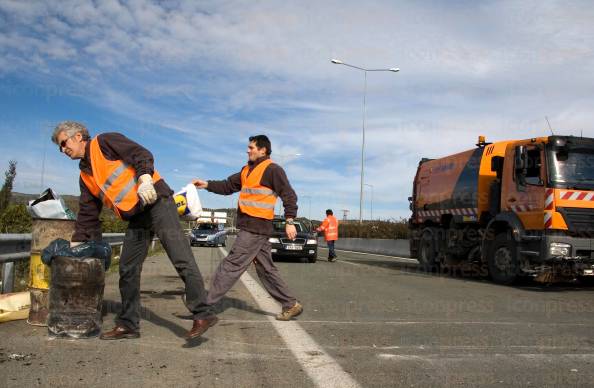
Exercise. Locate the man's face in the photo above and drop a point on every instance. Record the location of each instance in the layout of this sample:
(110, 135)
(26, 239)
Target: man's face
(254, 153)
(73, 146)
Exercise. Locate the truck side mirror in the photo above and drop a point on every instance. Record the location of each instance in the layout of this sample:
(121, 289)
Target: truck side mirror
(520, 165)
(520, 158)
(497, 165)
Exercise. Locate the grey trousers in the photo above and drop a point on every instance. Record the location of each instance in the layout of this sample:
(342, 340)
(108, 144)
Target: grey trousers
(248, 248)
(161, 219)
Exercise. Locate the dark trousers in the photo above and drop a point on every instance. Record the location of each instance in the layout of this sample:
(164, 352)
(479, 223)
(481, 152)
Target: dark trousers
(161, 219)
(247, 248)
(331, 251)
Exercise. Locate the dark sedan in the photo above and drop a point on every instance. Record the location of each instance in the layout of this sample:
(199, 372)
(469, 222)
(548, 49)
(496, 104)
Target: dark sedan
(304, 246)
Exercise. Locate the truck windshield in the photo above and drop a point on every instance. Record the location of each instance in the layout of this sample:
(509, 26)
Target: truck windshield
(572, 168)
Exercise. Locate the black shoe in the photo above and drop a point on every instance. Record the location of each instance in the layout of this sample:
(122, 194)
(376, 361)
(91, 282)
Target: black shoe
(332, 259)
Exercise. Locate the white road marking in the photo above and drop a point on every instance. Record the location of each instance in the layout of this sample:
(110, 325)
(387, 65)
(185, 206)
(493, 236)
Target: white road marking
(349, 262)
(447, 323)
(319, 366)
(443, 358)
(396, 323)
(406, 357)
(377, 254)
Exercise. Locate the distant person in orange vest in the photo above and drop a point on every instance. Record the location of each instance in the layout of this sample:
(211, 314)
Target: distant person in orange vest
(119, 173)
(330, 228)
(259, 183)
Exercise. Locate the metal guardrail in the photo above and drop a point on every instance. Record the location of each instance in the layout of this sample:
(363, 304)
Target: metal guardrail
(16, 247)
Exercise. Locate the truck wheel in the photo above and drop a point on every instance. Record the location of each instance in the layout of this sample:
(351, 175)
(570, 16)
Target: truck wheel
(427, 252)
(503, 262)
(313, 259)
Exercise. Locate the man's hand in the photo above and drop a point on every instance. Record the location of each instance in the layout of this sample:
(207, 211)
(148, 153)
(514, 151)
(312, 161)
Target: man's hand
(199, 183)
(74, 244)
(291, 231)
(146, 190)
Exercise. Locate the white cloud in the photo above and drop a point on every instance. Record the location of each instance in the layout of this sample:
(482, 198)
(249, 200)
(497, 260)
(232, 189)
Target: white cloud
(195, 79)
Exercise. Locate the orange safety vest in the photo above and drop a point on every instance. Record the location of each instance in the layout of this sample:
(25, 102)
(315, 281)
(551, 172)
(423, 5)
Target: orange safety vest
(330, 228)
(254, 199)
(113, 181)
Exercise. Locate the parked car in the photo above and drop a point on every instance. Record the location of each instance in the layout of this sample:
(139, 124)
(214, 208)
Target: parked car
(305, 244)
(208, 234)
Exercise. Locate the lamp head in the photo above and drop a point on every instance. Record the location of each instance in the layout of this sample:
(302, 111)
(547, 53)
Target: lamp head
(394, 69)
(336, 61)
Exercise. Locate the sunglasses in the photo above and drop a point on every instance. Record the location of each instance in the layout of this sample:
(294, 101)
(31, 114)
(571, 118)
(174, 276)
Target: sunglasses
(63, 142)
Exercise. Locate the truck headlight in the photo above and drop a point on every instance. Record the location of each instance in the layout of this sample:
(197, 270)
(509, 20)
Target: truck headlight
(274, 240)
(312, 242)
(560, 249)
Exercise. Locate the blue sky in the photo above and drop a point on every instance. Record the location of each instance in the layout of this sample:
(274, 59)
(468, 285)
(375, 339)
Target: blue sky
(193, 80)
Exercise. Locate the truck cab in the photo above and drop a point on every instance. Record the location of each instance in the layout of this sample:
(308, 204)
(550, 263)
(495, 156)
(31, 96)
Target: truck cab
(547, 202)
(518, 208)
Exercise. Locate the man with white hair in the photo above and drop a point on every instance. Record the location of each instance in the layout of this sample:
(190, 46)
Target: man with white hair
(119, 173)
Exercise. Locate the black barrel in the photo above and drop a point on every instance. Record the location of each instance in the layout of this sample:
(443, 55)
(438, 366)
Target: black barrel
(43, 232)
(75, 297)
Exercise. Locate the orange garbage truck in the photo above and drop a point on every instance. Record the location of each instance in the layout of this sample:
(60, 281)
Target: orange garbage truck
(519, 208)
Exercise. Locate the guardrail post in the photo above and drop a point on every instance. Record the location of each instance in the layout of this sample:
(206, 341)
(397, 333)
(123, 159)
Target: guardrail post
(7, 277)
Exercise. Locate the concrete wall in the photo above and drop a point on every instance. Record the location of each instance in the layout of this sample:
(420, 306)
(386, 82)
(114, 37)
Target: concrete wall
(387, 247)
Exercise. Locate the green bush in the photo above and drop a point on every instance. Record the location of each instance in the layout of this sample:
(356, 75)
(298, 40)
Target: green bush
(372, 229)
(111, 224)
(15, 219)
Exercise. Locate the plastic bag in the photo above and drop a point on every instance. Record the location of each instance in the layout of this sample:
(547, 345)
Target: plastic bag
(60, 247)
(188, 203)
(50, 205)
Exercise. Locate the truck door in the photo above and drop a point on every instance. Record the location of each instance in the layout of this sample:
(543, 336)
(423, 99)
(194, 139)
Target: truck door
(523, 188)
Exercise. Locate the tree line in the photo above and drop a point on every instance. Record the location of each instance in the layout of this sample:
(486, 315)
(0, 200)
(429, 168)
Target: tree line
(14, 217)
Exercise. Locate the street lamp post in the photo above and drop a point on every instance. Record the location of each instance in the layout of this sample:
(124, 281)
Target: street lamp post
(392, 69)
(367, 184)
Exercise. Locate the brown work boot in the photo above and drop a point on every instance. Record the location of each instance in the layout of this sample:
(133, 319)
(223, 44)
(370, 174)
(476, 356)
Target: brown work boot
(290, 313)
(201, 325)
(120, 332)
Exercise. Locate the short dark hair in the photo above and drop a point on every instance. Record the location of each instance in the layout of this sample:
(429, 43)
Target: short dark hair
(261, 142)
(329, 212)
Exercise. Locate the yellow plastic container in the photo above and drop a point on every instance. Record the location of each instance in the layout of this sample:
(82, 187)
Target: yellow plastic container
(39, 273)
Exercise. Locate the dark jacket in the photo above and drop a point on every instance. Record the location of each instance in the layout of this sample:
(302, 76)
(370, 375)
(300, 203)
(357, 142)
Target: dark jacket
(274, 177)
(114, 146)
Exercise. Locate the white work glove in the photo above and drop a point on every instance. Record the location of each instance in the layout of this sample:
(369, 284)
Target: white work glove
(146, 190)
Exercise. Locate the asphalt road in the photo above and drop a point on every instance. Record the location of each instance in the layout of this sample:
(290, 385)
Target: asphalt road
(377, 319)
